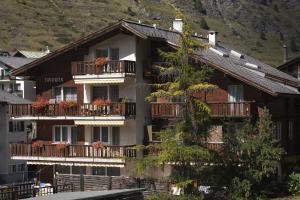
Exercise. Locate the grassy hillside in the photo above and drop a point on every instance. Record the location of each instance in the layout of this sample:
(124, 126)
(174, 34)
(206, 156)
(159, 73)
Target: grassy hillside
(34, 24)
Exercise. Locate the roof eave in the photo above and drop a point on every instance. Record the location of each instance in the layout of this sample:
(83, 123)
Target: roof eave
(74, 45)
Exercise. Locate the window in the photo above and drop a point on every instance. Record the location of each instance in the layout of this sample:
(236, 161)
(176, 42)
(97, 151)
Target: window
(100, 92)
(291, 130)
(114, 93)
(106, 171)
(277, 128)
(106, 92)
(65, 93)
(21, 167)
(16, 126)
(100, 134)
(114, 54)
(103, 53)
(235, 93)
(111, 53)
(65, 134)
(115, 135)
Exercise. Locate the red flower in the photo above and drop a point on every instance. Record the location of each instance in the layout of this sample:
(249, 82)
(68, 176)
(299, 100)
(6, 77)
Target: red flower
(98, 145)
(100, 61)
(99, 102)
(67, 104)
(40, 103)
(62, 146)
(37, 144)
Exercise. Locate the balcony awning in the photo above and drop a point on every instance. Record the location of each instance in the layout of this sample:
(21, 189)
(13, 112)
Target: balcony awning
(121, 165)
(100, 81)
(99, 123)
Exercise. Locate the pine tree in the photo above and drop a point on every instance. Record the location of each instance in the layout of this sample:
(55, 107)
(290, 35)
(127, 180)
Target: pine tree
(184, 144)
(253, 154)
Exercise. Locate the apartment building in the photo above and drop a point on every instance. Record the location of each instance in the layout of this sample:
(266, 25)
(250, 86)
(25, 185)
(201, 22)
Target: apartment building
(91, 108)
(12, 131)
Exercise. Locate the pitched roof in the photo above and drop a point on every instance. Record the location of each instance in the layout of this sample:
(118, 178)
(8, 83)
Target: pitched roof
(255, 73)
(289, 63)
(12, 99)
(14, 62)
(31, 54)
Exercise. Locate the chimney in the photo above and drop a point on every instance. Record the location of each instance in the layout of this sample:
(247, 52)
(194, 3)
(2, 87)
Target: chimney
(47, 50)
(178, 25)
(212, 37)
(285, 54)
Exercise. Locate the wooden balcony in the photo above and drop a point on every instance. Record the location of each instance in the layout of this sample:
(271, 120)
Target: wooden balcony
(71, 153)
(218, 109)
(80, 111)
(110, 67)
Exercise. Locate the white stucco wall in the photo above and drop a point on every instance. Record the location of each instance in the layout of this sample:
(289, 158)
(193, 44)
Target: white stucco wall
(134, 49)
(125, 43)
(6, 138)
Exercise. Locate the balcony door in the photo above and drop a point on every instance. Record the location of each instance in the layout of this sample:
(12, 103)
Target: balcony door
(100, 134)
(235, 97)
(106, 92)
(100, 92)
(115, 134)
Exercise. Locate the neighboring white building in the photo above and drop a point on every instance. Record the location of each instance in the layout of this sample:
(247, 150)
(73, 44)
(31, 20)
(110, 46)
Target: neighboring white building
(11, 131)
(15, 85)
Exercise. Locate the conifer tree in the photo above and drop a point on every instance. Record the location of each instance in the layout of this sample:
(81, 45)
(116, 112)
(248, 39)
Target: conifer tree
(182, 145)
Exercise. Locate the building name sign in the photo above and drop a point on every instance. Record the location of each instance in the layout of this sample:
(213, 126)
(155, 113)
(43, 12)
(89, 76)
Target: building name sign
(54, 79)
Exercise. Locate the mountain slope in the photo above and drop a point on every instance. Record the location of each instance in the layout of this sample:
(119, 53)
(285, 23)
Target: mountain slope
(257, 27)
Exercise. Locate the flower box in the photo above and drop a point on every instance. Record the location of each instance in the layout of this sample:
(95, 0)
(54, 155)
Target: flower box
(100, 61)
(62, 146)
(98, 145)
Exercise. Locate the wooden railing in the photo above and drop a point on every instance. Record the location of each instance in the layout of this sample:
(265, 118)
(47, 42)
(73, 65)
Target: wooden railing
(81, 110)
(112, 66)
(81, 151)
(218, 109)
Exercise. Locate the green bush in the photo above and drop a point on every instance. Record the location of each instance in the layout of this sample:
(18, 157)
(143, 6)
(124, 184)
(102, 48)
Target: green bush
(240, 189)
(294, 183)
(172, 197)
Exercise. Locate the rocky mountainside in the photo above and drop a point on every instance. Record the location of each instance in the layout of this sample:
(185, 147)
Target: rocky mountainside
(255, 27)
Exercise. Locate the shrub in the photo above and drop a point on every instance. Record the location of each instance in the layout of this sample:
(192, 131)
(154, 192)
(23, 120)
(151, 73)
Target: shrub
(294, 183)
(240, 189)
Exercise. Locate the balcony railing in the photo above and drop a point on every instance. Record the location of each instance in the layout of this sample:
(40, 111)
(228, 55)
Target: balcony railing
(80, 110)
(218, 109)
(118, 66)
(70, 151)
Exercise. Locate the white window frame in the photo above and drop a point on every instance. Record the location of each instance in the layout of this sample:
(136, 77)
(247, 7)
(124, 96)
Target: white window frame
(62, 94)
(291, 129)
(69, 133)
